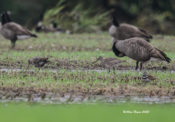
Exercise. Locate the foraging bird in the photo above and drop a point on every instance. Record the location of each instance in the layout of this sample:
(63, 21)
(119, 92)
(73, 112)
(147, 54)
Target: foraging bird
(126, 31)
(147, 78)
(42, 28)
(139, 50)
(13, 31)
(108, 60)
(38, 62)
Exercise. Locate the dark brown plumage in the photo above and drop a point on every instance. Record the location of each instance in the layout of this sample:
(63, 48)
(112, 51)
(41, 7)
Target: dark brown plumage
(13, 31)
(126, 31)
(38, 62)
(139, 50)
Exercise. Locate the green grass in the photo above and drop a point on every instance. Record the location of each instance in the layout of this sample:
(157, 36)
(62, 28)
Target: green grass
(82, 48)
(91, 79)
(22, 112)
(83, 55)
(73, 47)
(79, 47)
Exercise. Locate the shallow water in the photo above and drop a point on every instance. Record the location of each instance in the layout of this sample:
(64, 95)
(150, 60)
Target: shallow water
(74, 99)
(78, 70)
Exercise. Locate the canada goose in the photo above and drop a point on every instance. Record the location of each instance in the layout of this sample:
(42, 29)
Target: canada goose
(126, 31)
(13, 31)
(52, 28)
(38, 62)
(139, 50)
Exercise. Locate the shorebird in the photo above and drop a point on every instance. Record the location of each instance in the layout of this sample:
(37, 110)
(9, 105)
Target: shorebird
(38, 62)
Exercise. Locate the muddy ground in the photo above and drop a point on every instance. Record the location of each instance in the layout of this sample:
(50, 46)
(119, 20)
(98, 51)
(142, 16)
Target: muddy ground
(81, 52)
(78, 93)
(102, 64)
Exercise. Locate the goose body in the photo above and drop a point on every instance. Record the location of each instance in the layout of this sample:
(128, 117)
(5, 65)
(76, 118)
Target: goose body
(126, 31)
(13, 31)
(138, 49)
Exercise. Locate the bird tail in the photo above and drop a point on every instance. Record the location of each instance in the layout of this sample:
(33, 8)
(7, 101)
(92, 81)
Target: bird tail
(166, 58)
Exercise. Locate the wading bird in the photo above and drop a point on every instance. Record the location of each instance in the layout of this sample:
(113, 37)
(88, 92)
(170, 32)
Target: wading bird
(38, 62)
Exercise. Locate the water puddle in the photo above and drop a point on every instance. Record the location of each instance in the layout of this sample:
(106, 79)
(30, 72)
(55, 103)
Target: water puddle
(69, 99)
(77, 70)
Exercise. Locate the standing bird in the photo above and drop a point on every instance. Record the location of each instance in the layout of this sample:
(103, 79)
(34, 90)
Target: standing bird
(13, 31)
(38, 62)
(139, 50)
(126, 31)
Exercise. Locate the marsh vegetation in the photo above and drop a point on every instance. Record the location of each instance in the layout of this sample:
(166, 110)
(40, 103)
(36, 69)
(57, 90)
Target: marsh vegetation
(74, 68)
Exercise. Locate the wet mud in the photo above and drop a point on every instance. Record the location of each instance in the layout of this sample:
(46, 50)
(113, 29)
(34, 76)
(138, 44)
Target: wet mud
(81, 94)
(98, 64)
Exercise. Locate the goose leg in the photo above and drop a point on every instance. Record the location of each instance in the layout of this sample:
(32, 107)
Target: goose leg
(13, 43)
(141, 65)
(137, 63)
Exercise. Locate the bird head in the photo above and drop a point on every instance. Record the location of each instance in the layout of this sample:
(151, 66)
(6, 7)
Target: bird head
(113, 30)
(5, 18)
(115, 22)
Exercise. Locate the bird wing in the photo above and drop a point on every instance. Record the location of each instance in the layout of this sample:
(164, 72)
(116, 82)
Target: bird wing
(136, 42)
(154, 52)
(136, 48)
(133, 31)
(18, 29)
